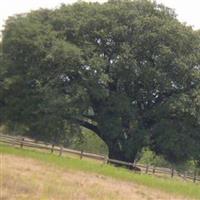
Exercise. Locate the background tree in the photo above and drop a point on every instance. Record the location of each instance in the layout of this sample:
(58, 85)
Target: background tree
(127, 70)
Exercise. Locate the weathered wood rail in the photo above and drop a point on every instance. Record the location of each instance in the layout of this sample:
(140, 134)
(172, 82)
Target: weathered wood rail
(22, 142)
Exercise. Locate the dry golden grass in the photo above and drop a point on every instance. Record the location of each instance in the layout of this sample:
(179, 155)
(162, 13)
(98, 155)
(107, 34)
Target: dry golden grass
(22, 178)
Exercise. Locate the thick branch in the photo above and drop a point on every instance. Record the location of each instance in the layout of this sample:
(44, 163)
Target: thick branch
(89, 126)
(90, 117)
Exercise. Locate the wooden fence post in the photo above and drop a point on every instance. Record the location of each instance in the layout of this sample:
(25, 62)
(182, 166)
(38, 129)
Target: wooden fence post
(184, 175)
(147, 169)
(172, 172)
(61, 151)
(81, 155)
(195, 176)
(154, 170)
(13, 142)
(52, 148)
(105, 160)
(22, 143)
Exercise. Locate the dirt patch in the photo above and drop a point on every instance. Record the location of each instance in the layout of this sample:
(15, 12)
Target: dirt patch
(22, 178)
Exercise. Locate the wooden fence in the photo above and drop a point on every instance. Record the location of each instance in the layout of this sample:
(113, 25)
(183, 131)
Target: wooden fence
(148, 169)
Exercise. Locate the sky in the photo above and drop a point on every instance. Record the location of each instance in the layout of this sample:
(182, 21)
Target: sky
(187, 11)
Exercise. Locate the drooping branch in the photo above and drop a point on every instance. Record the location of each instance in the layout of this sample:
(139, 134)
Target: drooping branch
(89, 126)
(90, 117)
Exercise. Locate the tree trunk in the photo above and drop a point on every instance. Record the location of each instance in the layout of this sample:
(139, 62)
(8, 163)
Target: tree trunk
(119, 146)
(119, 153)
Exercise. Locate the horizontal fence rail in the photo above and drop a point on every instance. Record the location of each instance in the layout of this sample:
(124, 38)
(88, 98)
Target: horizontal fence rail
(154, 170)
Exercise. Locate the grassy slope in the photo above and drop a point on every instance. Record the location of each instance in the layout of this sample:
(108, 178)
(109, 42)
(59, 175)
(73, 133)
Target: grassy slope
(185, 189)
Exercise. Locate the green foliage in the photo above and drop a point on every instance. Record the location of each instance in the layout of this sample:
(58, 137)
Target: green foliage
(149, 157)
(89, 142)
(127, 70)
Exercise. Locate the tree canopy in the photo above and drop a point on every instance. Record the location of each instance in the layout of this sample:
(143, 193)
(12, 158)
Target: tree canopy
(127, 70)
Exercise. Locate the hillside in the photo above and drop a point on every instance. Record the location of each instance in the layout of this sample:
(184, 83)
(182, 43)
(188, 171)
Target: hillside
(28, 174)
(29, 179)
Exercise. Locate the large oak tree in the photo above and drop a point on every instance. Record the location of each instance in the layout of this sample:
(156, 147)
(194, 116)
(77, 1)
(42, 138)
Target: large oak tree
(127, 70)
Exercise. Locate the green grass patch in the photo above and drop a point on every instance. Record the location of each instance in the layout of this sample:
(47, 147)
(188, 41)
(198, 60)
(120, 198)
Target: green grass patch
(172, 186)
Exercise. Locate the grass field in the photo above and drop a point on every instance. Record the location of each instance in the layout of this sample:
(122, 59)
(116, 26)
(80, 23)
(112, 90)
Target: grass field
(29, 174)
